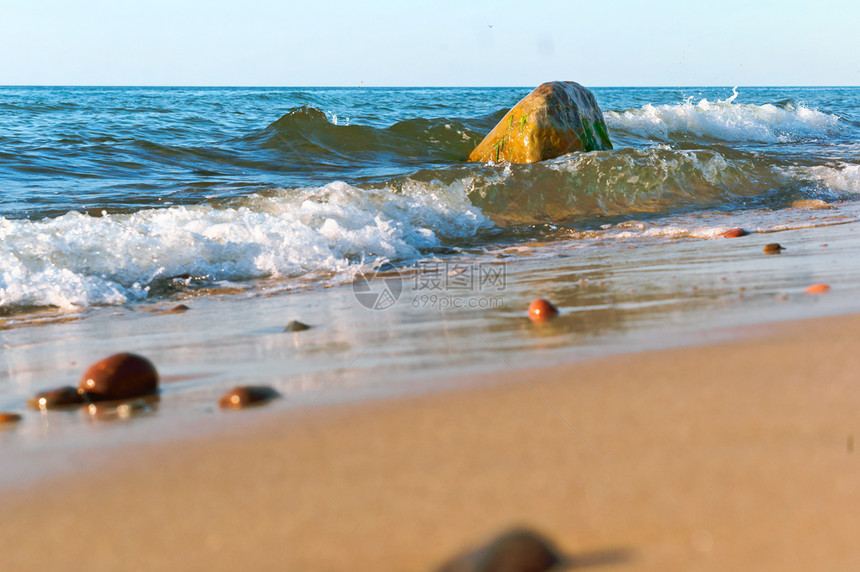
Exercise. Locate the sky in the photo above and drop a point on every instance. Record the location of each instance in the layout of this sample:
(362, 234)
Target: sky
(433, 43)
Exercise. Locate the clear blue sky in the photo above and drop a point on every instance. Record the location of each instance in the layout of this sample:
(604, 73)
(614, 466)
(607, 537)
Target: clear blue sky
(432, 43)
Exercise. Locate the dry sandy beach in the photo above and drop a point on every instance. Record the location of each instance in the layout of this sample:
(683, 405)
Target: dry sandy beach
(730, 456)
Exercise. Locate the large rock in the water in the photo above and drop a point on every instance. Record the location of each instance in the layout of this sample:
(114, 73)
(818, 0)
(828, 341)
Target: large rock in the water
(556, 118)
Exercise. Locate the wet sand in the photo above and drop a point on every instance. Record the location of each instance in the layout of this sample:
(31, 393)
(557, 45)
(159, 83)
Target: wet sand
(729, 456)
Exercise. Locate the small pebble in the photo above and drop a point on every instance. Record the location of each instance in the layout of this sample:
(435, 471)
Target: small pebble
(120, 376)
(773, 248)
(541, 310)
(734, 233)
(60, 397)
(6, 417)
(247, 395)
(178, 309)
(817, 289)
(296, 326)
(515, 551)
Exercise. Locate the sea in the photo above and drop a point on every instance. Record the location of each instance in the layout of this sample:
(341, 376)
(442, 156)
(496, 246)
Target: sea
(353, 209)
(116, 195)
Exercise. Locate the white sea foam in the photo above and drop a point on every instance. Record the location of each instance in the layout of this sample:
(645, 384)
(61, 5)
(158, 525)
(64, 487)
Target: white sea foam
(77, 260)
(841, 178)
(666, 232)
(726, 120)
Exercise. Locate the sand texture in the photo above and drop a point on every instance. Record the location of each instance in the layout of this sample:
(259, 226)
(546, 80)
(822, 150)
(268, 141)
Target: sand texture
(736, 456)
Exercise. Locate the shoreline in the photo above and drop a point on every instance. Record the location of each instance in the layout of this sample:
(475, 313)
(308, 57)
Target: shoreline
(731, 455)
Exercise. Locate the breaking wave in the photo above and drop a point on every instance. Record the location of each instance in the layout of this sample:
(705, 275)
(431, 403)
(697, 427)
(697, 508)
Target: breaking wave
(725, 120)
(841, 178)
(330, 232)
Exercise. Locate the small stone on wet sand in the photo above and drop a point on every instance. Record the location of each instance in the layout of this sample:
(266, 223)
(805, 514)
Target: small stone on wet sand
(773, 248)
(541, 310)
(57, 398)
(247, 395)
(7, 417)
(296, 326)
(734, 233)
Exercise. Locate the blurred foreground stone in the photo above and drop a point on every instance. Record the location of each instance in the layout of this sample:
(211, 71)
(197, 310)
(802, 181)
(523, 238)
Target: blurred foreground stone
(514, 551)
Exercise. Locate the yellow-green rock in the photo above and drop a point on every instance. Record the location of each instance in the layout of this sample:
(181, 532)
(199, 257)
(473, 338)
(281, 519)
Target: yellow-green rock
(556, 118)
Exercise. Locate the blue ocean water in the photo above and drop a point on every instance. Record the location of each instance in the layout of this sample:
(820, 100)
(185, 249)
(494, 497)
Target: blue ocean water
(112, 195)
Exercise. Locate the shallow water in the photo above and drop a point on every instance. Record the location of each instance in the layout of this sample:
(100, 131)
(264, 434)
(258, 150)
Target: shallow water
(453, 315)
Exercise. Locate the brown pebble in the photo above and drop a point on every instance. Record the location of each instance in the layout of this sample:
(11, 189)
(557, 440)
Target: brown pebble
(58, 398)
(120, 376)
(6, 417)
(773, 248)
(515, 551)
(541, 310)
(296, 326)
(734, 233)
(178, 309)
(817, 289)
(247, 395)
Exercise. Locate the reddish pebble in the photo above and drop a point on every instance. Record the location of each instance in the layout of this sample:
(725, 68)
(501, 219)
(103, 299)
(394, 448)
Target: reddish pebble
(817, 289)
(734, 233)
(120, 376)
(247, 395)
(9, 417)
(542, 309)
(65, 396)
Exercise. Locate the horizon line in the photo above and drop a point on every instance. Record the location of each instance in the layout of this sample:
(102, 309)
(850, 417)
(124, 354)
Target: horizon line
(226, 86)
